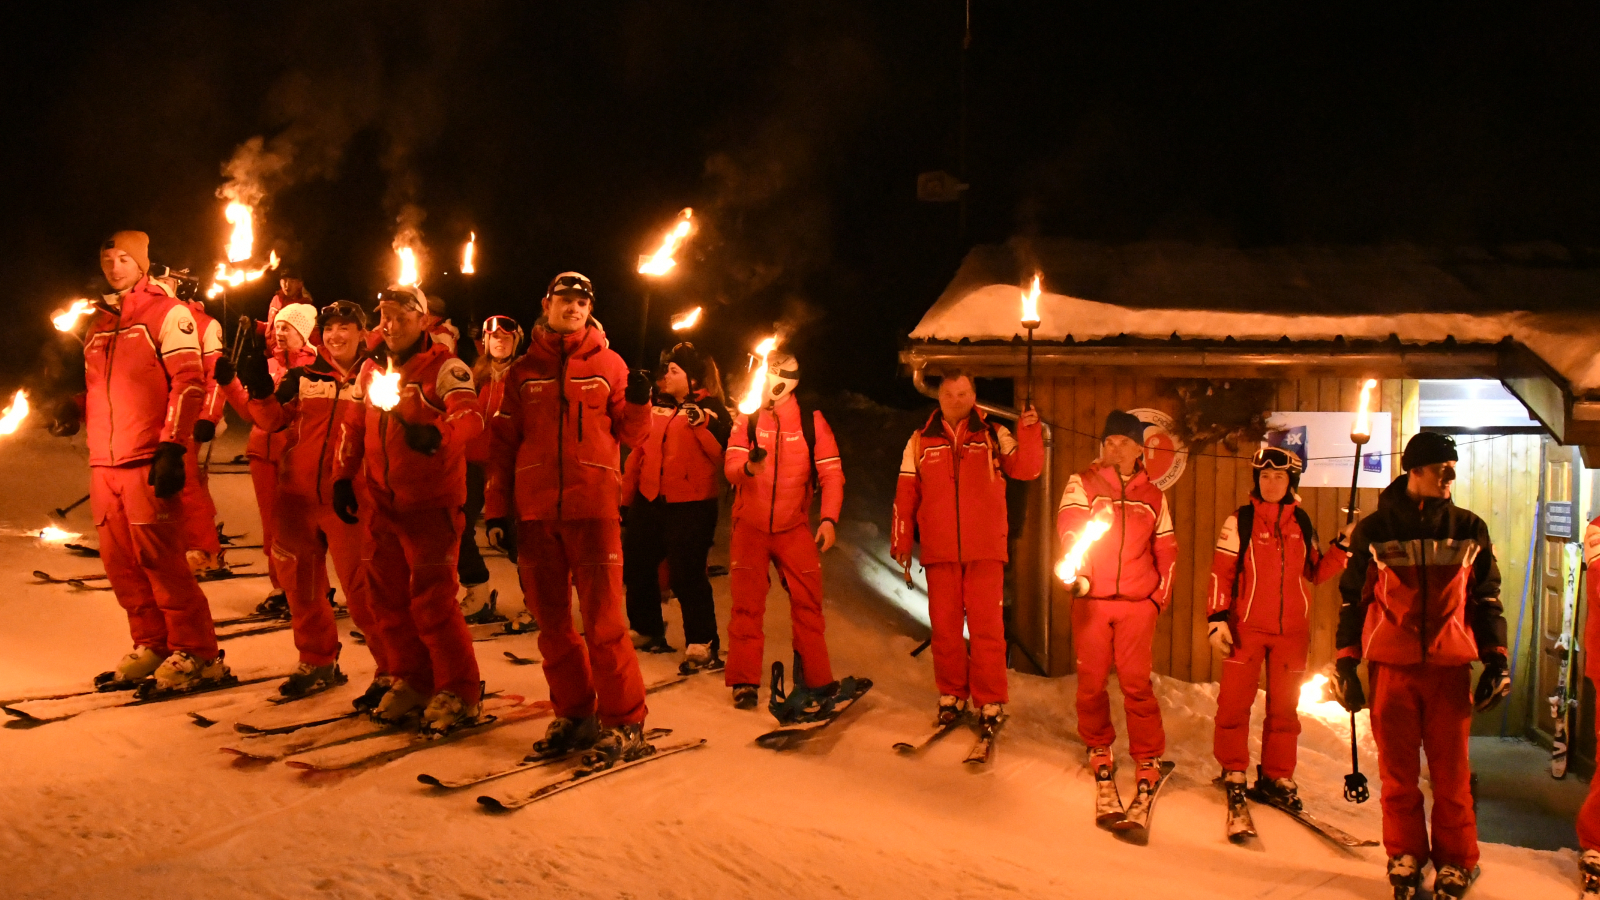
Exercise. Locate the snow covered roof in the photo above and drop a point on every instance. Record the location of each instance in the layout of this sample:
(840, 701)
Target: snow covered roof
(1161, 291)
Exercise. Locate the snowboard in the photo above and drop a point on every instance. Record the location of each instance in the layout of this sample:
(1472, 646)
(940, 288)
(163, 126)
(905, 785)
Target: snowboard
(785, 735)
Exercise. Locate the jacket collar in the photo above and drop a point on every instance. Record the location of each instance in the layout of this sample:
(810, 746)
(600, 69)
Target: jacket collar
(936, 425)
(585, 342)
(1395, 499)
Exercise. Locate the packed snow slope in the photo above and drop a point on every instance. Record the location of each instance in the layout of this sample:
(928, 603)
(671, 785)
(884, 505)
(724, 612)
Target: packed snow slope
(139, 802)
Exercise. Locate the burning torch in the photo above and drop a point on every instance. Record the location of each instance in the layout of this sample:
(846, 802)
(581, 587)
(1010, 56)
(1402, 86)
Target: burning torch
(15, 413)
(469, 255)
(658, 264)
(1071, 562)
(1355, 784)
(384, 389)
(686, 321)
(1030, 321)
(68, 319)
(753, 392)
(240, 249)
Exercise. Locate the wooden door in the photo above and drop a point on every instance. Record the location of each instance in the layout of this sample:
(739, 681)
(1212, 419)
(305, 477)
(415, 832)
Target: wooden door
(1557, 576)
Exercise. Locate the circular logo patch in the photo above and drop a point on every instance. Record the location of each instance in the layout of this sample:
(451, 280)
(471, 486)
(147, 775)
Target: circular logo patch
(1164, 457)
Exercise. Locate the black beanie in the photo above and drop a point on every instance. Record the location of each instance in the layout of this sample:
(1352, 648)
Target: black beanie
(1126, 424)
(689, 360)
(1426, 448)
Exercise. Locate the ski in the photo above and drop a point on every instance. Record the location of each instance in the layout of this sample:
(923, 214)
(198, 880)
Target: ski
(274, 744)
(384, 748)
(1241, 826)
(1135, 824)
(29, 718)
(82, 550)
(781, 737)
(520, 660)
(1108, 809)
(57, 579)
(274, 624)
(920, 744)
(1562, 702)
(582, 775)
(983, 750)
(1333, 833)
(527, 764)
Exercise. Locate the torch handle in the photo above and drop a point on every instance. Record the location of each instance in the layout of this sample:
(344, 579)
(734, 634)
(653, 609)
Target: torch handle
(1028, 397)
(644, 327)
(1355, 473)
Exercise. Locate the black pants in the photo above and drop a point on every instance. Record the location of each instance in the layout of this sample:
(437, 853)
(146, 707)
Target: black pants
(469, 565)
(681, 534)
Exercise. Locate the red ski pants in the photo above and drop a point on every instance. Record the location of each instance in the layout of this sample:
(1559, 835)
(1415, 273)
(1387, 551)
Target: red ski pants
(264, 478)
(1589, 815)
(1117, 632)
(307, 533)
(141, 545)
(199, 512)
(1426, 708)
(410, 561)
(597, 674)
(1284, 655)
(799, 564)
(969, 593)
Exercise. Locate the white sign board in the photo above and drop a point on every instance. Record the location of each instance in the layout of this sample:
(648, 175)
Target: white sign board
(1323, 440)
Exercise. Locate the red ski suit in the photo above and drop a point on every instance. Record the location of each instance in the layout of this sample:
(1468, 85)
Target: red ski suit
(1589, 815)
(414, 520)
(951, 497)
(771, 527)
(491, 394)
(677, 462)
(1264, 594)
(265, 448)
(143, 372)
(199, 511)
(311, 406)
(1421, 602)
(556, 452)
(1130, 581)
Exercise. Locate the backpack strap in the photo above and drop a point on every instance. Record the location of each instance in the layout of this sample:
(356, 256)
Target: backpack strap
(808, 431)
(1307, 531)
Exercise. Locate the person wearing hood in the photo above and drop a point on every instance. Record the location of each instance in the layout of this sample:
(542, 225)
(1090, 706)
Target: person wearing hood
(1421, 604)
(144, 389)
(1122, 588)
(670, 489)
(1262, 575)
(407, 440)
(570, 403)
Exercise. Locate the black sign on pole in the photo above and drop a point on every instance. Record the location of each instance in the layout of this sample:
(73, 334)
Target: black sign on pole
(1558, 520)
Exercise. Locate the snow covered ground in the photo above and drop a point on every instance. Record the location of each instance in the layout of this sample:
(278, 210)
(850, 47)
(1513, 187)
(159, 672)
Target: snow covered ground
(139, 802)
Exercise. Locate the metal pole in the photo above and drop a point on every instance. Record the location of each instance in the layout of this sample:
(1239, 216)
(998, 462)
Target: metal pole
(644, 326)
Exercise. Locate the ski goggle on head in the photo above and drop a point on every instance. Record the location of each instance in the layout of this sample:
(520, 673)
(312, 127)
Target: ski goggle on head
(501, 325)
(571, 283)
(1277, 458)
(342, 311)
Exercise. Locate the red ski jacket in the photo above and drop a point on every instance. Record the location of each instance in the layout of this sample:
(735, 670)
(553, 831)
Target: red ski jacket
(780, 498)
(1268, 587)
(678, 461)
(143, 375)
(491, 395)
(558, 436)
(311, 406)
(265, 443)
(211, 348)
(952, 488)
(1591, 627)
(1134, 560)
(435, 389)
(1422, 585)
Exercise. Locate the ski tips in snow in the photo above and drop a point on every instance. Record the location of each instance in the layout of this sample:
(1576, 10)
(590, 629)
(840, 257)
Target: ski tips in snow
(1134, 826)
(581, 776)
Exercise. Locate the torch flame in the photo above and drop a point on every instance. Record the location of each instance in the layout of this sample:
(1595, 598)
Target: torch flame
(685, 321)
(230, 277)
(68, 319)
(1362, 430)
(467, 268)
(1315, 700)
(661, 262)
(758, 378)
(408, 267)
(53, 534)
(385, 389)
(1030, 304)
(242, 242)
(1067, 569)
(15, 413)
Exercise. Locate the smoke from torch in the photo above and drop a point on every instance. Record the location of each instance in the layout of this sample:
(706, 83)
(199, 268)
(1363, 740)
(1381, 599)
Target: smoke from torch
(15, 413)
(467, 253)
(1072, 561)
(685, 320)
(385, 389)
(758, 378)
(661, 262)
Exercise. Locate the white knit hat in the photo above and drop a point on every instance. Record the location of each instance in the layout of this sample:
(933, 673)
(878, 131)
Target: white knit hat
(302, 317)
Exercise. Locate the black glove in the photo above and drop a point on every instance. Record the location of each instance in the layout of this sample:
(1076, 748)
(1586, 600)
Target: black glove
(495, 530)
(425, 439)
(205, 431)
(1493, 685)
(693, 413)
(639, 384)
(344, 501)
(223, 373)
(1347, 684)
(166, 470)
(253, 373)
(68, 419)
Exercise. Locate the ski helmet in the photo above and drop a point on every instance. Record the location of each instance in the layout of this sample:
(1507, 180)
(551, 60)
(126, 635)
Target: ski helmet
(1276, 458)
(783, 376)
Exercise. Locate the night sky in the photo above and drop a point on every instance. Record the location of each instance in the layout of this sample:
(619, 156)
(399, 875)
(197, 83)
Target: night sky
(568, 136)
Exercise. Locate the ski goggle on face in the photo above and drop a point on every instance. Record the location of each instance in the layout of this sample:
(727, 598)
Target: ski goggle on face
(500, 325)
(1276, 458)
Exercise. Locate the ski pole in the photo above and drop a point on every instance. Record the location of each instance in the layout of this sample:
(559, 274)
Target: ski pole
(1355, 784)
(921, 647)
(61, 513)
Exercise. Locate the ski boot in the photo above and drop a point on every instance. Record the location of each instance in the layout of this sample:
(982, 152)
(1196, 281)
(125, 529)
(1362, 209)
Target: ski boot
(522, 623)
(1276, 791)
(446, 712)
(621, 743)
(369, 699)
(1589, 870)
(1107, 802)
(1148, 773)
(989, 717)
(746, 696)
(700, 658)
(200, 562)
(1405, 876)
(276, 604)
(565, 736)
(181, 672)
(478, 608)
(1240, 826)
(308, 679)
(951, 708)
(651, 643)
(399, 702)
(1452, 881)
(130, 671)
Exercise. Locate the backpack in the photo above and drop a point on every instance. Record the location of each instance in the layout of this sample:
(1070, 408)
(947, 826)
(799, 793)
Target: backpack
(1245, 520)
(808, 432)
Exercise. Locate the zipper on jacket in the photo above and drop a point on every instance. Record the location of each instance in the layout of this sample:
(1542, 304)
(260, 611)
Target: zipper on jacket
(661, 471)
(111, 355)
(333, 416)
(955, 475)
(561, 425)
(777, 444)
(1122, 540)
(1283, 563)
